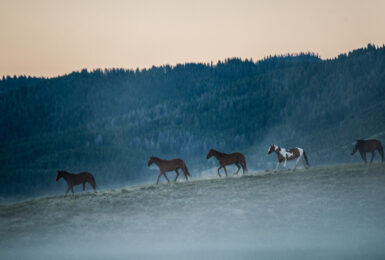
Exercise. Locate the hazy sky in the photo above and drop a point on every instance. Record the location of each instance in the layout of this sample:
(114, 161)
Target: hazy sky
(52, 37)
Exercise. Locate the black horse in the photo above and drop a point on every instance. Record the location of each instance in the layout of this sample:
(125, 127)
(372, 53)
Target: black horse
(76, 179)
(368, 146)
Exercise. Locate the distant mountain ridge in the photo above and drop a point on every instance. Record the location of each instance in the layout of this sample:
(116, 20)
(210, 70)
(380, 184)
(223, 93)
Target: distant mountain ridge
(110, 121)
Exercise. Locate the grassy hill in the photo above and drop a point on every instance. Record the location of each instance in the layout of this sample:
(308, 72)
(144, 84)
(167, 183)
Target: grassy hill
(321, 213)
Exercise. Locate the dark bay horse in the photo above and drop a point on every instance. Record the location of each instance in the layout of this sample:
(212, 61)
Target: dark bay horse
(284, 155)
(368, 146)
(76, 179)
(226, 159)
(169, 166)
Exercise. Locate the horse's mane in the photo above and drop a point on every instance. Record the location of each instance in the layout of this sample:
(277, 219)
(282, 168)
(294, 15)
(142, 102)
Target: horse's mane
(65, 172)
(155, 158)
(276, 147)
(217, 152)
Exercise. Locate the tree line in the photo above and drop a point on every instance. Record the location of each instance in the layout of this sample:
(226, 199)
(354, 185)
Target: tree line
(110, 121)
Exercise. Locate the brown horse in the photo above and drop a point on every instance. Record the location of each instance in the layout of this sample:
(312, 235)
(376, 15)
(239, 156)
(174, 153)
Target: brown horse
(283, 155)
(226, 159)
(368, 146)
(76, 179)
(168, 166)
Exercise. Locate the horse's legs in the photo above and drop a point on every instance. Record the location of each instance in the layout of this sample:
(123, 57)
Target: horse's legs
(224, 167)
(177, 175)
(284, 164)
(363, 156)
(68, 189)
(166, 177)
(371, 160)
(296, 163)
(218, 171)
(276, 168)
(160, 174)
(72, 189)
(239, 167)
(84, 186)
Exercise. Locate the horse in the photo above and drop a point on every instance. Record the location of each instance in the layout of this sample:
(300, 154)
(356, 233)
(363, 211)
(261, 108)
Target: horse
(76, 179)
(368, 146)
(168, 166)
(226, 159)
(284, 155)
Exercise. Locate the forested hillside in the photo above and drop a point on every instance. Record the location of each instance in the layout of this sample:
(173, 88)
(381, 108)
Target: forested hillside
(110, 121)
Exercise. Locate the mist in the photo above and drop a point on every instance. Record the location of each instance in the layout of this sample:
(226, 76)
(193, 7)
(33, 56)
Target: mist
(324, 212)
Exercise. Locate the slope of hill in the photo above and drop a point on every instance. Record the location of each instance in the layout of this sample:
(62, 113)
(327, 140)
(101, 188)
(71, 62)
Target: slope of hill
(110, 121)
(333, 212)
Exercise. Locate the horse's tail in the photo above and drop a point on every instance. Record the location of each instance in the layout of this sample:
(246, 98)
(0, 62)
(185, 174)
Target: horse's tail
(93, 182)
(381, 151)
(306, 160)
(243, 164)
(186, 171)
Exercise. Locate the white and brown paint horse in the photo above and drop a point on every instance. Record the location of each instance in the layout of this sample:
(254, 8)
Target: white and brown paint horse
(285, 155)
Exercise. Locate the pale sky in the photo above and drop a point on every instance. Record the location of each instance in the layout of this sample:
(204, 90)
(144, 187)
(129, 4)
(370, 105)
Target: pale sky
(54, 37)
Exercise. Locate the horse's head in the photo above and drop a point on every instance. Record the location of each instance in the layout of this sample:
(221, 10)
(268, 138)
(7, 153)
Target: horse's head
(211, 153)
(59, 175)
(355, 148)
(150, 161)
(271, 149)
